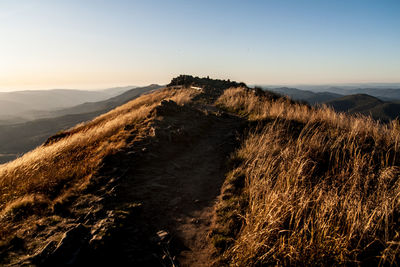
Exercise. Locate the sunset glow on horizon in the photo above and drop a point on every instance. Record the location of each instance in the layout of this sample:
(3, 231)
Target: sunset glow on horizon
(98, 44)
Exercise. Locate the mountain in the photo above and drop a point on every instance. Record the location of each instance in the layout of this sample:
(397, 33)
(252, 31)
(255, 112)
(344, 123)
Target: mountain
(21, 106)
(16, 139)
(114, 91)
(105, 105)
(203, 174)
(349, 86)
(354, 103)
(366, 105)
(386, 94)
(304, 95)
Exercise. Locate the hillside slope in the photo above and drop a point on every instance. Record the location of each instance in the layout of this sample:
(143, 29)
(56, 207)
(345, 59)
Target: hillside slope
(149, 144)
(19, 138)
(383, 106)
(305, 95)
(39, 191)
(216, 176)
(21, 106)
(366, 105)
(386, 92)
(105, 105)
(309, 186)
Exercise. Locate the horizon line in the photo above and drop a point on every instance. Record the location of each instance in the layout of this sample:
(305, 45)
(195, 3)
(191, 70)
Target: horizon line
(99, 88)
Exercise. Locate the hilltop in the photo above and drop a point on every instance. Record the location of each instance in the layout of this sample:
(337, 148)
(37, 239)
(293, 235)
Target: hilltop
(206, 172)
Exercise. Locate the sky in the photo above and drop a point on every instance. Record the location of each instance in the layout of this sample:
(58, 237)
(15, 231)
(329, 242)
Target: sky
(87, 44)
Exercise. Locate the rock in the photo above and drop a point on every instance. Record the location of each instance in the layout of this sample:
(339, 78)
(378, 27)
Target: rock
(45, 251)
(167, 107)
(68, 249)
(101, 230)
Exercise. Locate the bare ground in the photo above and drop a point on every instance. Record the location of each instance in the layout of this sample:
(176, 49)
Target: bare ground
(177, 183)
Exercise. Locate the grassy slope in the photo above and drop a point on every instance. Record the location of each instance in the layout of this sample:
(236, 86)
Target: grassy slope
(16, 139)
(33, 187)
(309, 186)
(366, 105)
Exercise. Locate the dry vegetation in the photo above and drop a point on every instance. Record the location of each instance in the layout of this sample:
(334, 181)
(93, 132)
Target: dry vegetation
(309, 187)
(33, 183)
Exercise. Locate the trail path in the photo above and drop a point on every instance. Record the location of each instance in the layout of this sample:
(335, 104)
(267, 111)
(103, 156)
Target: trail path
(178, 186)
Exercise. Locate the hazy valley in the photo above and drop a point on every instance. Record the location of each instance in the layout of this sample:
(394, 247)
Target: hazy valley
(17, 138)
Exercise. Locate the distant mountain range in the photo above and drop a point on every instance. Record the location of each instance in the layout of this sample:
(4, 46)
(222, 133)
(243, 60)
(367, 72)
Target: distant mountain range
(18, 138)
(305, 95)
(386, 94)
(367, 105)
(20, 106)
(37, 117)
(379, 103)
(330, 87)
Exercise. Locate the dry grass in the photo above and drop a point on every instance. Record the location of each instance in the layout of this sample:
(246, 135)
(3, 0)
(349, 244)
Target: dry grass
(50, 171)
(246, 103)
(318, 187)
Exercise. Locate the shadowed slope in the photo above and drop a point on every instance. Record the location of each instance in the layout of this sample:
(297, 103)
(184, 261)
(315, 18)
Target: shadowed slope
(366, 105)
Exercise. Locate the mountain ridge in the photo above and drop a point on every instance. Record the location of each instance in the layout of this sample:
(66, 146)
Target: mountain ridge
(196, 174)
(367, 105)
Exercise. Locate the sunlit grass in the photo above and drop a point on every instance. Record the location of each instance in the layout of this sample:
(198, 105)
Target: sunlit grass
(320, 187)
(50, 171)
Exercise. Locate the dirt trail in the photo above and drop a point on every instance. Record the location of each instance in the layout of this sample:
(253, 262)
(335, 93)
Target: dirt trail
(177, 184)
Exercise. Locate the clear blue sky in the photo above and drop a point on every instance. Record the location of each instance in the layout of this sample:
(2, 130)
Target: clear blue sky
(93, 44)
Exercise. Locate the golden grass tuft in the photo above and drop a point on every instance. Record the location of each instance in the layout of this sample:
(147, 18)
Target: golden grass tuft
(247, 103)
(25, 206)
(320, 187)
